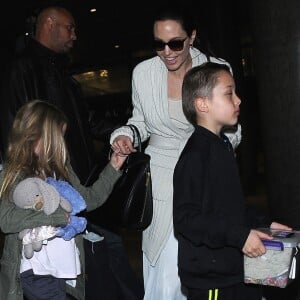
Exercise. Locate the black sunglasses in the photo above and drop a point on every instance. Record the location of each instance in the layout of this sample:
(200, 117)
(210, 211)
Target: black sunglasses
(174, 45)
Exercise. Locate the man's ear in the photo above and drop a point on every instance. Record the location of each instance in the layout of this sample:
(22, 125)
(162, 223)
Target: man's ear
(50, 22)
(201, 104)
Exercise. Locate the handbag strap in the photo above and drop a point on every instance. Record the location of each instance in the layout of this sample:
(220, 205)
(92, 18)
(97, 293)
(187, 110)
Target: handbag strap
(136, 136)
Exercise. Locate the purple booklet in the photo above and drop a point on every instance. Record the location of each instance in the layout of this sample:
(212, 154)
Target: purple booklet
(273, 245)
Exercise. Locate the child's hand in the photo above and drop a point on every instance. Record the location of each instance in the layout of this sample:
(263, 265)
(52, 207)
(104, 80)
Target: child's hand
(117, 160)
(254, 246)
(68, 216)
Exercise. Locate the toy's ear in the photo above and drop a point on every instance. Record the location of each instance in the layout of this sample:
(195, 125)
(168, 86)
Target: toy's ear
(50, 196)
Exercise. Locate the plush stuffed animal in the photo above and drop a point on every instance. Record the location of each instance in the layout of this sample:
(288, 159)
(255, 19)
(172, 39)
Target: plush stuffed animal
(35, 193)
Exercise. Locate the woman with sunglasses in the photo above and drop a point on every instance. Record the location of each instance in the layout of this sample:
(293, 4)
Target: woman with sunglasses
(157, 112)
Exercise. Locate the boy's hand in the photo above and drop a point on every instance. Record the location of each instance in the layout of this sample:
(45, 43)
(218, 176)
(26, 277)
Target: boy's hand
(253, 246)
(278, 226)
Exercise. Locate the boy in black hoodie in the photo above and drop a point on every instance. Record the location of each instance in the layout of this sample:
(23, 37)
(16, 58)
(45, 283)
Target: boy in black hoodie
(209, 206)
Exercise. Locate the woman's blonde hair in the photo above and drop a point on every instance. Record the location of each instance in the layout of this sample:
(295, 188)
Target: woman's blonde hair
(36, 123)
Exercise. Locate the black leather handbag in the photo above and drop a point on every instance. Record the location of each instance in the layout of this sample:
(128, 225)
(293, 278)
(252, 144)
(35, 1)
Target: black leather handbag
(132, 193)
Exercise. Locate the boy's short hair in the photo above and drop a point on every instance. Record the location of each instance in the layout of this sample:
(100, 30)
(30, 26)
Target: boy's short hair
(198, 82)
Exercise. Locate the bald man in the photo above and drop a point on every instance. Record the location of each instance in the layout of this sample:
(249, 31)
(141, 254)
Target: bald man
(55, 29)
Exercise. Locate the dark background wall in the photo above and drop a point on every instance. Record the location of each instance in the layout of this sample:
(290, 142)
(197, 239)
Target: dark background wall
(276, 44)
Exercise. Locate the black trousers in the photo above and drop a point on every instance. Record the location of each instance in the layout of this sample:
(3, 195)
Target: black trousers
(236, 292)
(39, 287)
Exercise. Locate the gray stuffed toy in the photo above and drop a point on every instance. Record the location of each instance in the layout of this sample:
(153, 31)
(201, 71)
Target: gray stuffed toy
(34, 193)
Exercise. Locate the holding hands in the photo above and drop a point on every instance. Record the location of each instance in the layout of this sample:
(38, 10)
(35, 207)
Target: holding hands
(123, 145)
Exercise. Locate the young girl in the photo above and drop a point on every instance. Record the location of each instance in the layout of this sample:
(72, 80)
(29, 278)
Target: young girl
(37, 148)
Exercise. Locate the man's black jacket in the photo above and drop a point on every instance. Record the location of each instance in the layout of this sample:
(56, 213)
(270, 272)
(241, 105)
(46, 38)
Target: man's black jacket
(40, 73)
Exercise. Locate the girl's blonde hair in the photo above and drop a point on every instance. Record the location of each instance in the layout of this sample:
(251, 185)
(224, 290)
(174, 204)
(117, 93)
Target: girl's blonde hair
(36, 123)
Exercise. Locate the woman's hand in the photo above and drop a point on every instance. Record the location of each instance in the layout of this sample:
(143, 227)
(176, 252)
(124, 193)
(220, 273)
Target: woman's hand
(122, 145)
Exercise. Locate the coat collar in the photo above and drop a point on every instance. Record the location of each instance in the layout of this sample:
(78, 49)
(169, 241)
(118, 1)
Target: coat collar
(60, 60)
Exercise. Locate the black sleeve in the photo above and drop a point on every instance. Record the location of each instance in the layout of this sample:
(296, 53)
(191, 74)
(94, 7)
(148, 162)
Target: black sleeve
(256, 217)
(14, 92)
